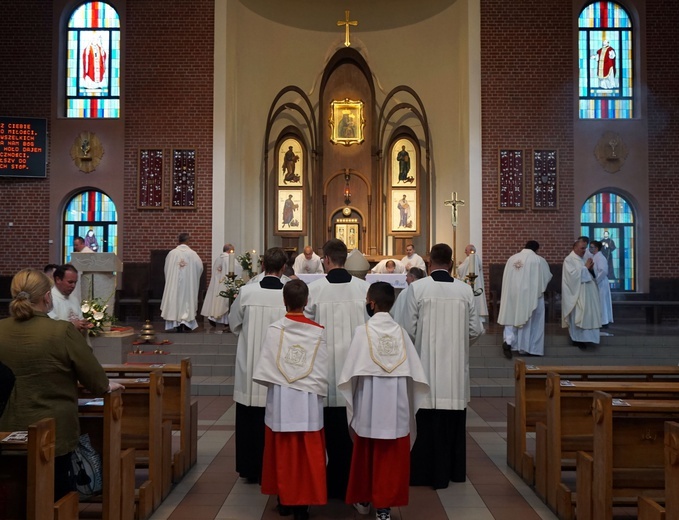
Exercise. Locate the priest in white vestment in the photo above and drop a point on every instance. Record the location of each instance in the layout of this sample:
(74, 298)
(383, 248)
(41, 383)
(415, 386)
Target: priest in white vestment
(179, 305)
(412, 259)
(383, 383)
(440, 317)
(580, 305)
(522, 303)
(389, 266)
(601, 276)
(308, 262)
(338, 303)
(216, 307)
(256, 307)
(479, 285)
(293, 365)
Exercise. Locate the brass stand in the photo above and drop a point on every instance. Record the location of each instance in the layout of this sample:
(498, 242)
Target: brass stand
(471, 278)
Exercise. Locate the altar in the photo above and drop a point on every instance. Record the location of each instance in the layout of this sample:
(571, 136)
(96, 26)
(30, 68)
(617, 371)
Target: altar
(97, 276)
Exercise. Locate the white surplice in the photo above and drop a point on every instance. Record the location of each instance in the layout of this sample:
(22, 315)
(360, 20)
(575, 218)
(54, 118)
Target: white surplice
(216, 307)
(66, 308)
(304, 266)
(480, 300)
(179, 305)
(580, 306)
(414, 261)
(253, 310)
(522, 304)
(440, 317)
(601, 274)
(382, 381)
(381, 266)
(340, 308)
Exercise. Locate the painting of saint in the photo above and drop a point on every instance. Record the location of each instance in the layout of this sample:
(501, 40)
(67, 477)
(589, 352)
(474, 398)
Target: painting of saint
(290, 163)
(403, 163)
(346, 122)
(403, 212)
(290, 213)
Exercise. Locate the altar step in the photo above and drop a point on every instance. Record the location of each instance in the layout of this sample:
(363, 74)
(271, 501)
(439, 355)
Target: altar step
(492, 375)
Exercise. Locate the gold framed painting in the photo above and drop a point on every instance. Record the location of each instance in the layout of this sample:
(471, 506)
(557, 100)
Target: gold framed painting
(403, 164)
(403, 216)
(346, 122)
(347, 231)
(290, 163)
(290, 211)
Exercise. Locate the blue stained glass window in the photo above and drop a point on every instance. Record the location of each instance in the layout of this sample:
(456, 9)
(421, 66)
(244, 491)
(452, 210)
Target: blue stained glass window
(605, 82)
(93, 216)
(609, 216)
(93, 62)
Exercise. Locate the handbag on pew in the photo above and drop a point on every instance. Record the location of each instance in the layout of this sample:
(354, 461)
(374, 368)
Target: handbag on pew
(87, 468)
(6, 385)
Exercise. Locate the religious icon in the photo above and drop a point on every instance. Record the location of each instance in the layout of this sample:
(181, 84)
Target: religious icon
(94, 59)
(290, 211)
(346, 122)
(404, 211)
(403, 164)
(291, 163)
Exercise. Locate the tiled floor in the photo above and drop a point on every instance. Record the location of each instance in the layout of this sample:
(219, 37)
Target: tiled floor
(212, 489)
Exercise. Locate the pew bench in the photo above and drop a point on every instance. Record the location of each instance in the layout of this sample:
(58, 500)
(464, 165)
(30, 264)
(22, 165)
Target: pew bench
(27, 476)
(650, 509)
(570, 428)
(652, 308)
(176, 406)
(530, 401)
(627, 458)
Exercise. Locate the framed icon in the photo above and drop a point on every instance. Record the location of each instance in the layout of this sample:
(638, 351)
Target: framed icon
(290, 211)
(403, 164)
(290, 163)
(346, 122)
(403, 212)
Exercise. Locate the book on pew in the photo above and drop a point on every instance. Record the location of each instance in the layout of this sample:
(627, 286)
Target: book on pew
(18, 437)
(97, 401)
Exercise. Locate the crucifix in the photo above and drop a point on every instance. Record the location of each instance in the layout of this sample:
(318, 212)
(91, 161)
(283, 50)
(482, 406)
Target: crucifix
(346, 23)
(453, 203)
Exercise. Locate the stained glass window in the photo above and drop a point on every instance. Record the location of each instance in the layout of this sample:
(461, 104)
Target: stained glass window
(93, 216)
(93, 62)
(609, 218)
(605, 62)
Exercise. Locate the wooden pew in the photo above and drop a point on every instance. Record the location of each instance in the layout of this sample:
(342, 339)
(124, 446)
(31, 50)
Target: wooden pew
(176, 405)
(103, 423)
(530, 400)
(570, 427)
(649, 509)
(141, 429)
(29, 466)
(627, 456)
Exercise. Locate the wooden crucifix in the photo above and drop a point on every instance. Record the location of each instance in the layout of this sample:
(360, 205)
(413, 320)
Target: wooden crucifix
(454, 203)
(346, 23)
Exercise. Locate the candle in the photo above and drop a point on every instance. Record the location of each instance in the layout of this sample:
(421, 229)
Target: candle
(472, 263)
(232, 261)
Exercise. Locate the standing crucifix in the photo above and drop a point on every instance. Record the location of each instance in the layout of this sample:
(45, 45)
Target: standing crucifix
(453, 203)
(346, 24)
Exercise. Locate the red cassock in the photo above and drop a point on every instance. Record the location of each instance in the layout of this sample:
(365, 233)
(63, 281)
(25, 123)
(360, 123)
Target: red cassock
(606, 61)
(94, 63)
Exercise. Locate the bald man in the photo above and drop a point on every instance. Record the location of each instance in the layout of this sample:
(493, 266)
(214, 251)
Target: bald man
(308, 262)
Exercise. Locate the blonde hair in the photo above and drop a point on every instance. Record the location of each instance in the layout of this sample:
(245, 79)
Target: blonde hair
(28, 287)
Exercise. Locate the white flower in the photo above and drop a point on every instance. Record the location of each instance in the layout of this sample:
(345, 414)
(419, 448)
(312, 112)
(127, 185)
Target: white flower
(85, 307)
(98, 315)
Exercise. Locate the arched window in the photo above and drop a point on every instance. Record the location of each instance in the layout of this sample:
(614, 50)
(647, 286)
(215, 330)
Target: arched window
(609, 218)
(93, 216)
(93, 62)
(605, 62)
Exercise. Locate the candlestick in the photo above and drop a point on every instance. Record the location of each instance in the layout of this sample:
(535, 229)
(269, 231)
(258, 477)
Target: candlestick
(232, 261)
(472, 263)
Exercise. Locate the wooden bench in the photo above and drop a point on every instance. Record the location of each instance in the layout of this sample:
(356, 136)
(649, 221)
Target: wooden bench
(649, 509)
(627, 456)
(530, 401)
(176, 406)
(570, 428)
(653, 308)
(142, 430)
(102, 420)
(28, 471)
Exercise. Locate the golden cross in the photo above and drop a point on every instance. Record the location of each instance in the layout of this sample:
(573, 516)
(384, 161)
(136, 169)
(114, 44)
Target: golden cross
(346, 24)
(454, 203)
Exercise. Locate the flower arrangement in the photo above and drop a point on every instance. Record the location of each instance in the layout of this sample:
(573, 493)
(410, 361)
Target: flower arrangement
(95, 312)
(245, 261)
(231, 287)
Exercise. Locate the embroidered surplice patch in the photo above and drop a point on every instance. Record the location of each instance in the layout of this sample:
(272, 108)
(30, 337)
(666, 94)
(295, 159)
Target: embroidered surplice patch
(295, 361)
(389, 353)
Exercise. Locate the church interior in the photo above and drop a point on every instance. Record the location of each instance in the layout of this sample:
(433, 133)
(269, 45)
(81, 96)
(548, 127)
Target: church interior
(382, 123)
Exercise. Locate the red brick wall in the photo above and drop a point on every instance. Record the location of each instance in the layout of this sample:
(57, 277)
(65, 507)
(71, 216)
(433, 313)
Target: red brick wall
(663, 136)
(25, 91)
(527, 101)
(168, 104)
